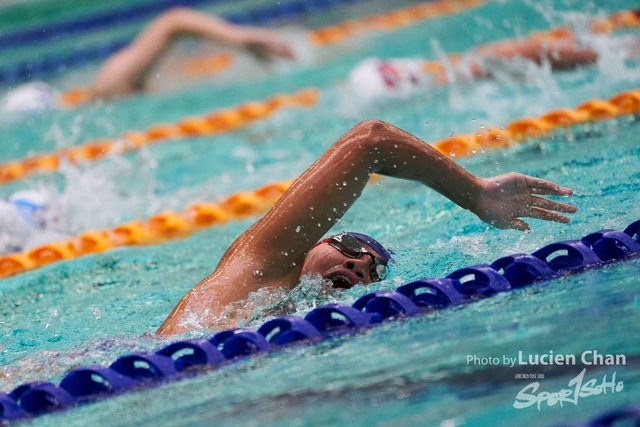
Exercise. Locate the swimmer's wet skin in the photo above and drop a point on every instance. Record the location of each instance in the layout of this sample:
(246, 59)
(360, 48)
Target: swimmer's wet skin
(281, 247)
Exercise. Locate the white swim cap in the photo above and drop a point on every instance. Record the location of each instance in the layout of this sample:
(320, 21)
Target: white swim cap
(28, 98)
(374, 77)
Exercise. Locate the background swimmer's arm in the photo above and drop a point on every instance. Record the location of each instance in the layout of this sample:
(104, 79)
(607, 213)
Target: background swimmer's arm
(120, 73)
(188, 21)
(272, 251)
(562, 53)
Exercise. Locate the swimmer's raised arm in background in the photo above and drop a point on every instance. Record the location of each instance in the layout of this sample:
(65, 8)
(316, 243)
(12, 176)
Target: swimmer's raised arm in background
(560, 50)
(281, 247)
(122, 73)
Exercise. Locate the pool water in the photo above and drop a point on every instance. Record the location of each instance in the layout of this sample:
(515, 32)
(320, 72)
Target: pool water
(414, 372)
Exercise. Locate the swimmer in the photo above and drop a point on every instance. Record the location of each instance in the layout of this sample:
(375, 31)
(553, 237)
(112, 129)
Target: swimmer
(375, 77)
(286, 243)
(126, 71)
(21, 215)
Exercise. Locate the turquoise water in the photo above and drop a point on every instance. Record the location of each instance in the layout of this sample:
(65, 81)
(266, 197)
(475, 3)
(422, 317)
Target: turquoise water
(93, 309)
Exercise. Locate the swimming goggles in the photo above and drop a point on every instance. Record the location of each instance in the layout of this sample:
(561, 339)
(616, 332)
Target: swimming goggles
(351, 247)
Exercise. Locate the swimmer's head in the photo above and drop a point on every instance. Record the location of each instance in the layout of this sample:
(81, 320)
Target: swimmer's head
(28, 98)
(374, 78)
(348, 259)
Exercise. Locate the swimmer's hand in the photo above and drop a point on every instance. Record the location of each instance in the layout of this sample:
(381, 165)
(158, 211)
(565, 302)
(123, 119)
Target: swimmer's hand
(266, 46)
(504, 198)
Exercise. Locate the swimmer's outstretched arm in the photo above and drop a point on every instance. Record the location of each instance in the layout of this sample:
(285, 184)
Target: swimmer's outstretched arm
(561, 53)
(272, 251)
(120, 73)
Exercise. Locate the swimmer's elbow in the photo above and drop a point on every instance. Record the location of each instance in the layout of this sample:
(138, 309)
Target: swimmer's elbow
(175, 13)
(364, 136)
(370, 127)
(368, 132)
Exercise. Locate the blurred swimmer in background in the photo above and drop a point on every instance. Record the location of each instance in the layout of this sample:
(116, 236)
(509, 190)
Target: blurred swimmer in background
(125, 71)
(128, 70)
(24, 217)
(560, 49)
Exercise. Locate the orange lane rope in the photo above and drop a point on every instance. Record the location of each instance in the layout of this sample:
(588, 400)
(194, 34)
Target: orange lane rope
(489, 138)
(207, 64)
(172, 225)
(391, 20)
(160, 228)
(423, 11)
(212, 123)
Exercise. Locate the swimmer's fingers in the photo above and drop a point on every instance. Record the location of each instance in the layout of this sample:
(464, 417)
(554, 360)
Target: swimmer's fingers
(519, 224)
(259, 51)
(284, 50)
(265, 48)
(552, 205)
(548, 188)
(546, 215)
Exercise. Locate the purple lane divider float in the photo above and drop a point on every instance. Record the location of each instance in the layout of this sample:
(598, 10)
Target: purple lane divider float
(335, 319)
(93, 381)
(611, 245)
(239, 342)
(616, 418)
(9, 408)
(430, 294)
(193, 352)
(41, 396)
(287, 330)
(386, 304)
(139, 370)
(523, 270)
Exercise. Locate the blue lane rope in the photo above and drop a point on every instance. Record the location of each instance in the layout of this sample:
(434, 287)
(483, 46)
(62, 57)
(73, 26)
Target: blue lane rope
(54, 63)
(613, 418)
(133, 371)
